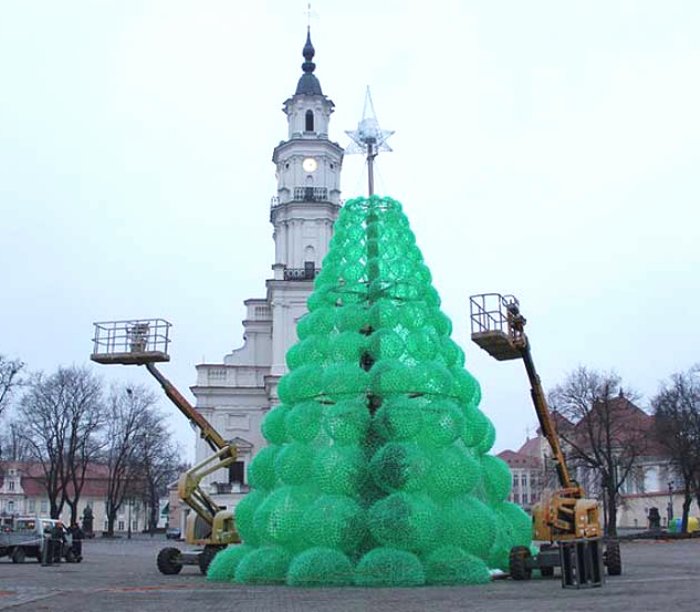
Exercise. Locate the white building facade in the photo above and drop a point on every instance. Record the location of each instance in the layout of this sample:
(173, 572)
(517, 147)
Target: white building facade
(235, 395)
(23, 493)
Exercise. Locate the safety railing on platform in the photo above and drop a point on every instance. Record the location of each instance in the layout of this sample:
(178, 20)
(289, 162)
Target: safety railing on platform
(491, 323)
(131, 341)
(489, 313)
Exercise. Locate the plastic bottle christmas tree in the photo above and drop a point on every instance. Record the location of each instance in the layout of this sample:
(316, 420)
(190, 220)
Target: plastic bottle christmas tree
(377, 471)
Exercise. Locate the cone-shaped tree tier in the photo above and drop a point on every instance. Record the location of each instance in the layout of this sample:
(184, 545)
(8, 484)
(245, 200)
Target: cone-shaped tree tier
(377, 471)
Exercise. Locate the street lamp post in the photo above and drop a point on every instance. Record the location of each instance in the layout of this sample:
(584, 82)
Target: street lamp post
(670, 502)
(128, 529)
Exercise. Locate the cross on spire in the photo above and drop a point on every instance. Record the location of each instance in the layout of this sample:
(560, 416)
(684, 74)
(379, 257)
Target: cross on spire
(309, 14)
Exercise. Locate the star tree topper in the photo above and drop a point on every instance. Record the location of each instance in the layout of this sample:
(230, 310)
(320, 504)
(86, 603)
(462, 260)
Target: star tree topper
(369, 139)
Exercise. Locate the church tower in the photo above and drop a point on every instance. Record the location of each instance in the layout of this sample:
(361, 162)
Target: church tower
(235, 395)
(308, 168)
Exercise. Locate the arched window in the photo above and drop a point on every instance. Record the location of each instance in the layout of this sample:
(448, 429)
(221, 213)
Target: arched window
(309, 188)
(309, 121)
(309, 263)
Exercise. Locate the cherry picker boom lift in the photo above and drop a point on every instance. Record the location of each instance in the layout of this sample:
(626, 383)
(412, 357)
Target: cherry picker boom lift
(567, 522)
(209, 527)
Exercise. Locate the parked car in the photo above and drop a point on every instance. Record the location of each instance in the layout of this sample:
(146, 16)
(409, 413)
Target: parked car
(173, 533)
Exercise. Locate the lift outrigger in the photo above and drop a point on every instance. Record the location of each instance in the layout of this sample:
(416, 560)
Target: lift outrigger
(210, 527)
(567, 522)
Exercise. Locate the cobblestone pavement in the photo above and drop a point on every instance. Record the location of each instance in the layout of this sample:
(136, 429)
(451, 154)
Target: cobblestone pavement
(121, 575)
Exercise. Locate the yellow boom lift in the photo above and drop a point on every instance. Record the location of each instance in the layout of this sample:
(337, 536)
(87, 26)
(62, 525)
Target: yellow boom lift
(565, 521)
(209, 527)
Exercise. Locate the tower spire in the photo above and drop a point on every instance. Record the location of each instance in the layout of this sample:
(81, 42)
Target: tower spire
(308, 52)
(308, 83)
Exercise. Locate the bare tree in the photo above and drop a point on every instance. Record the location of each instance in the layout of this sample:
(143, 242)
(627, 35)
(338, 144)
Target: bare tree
(159, 461)
(677, 419)
(129, 422)
(608, 433)
(87, 419)
(10, 370)
(12, 441)
(58, 419)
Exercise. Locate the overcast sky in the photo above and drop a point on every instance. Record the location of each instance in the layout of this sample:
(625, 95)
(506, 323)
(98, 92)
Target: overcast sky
(547, 149)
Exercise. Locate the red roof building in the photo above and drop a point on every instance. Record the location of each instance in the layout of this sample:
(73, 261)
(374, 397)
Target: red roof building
(23, 493)
(652, 481)
(527, 470)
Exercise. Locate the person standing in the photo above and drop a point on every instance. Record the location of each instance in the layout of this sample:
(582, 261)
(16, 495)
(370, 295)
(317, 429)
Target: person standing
(57, 539)
(77, 545)
(46, 547)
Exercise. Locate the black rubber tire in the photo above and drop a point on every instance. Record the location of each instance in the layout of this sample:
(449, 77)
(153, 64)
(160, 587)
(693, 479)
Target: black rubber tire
(518, 563)
(18, 555)
(206, 557)
(613, 559)
(169, 562)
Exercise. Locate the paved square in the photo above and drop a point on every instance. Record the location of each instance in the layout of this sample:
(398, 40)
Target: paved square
(122, 575)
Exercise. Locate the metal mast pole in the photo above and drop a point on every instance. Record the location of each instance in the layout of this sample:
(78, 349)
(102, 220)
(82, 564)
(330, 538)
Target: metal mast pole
(370, 139)
(367, 361)
(371, 154)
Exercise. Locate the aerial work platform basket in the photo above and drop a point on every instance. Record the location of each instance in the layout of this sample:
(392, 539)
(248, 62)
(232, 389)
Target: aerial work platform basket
(131, 342)
(491, 328)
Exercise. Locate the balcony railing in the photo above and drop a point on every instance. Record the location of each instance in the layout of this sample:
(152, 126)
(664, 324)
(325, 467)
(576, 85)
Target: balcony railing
(300, 274)
(311, 194)
(305, 194)
(224, 488)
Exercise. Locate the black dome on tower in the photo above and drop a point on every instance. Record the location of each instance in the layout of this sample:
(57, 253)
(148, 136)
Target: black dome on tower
(308, 83)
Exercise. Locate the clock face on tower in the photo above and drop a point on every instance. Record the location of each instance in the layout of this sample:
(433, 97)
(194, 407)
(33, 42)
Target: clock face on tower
(309, 164)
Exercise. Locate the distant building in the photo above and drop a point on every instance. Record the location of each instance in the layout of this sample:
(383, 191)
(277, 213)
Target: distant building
(23, 493)
(532, 467)
(528, 474)
(651, 483)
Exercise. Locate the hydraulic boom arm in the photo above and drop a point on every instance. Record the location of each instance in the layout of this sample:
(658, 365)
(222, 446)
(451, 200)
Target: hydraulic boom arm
(224, 453)
(562, 514)
(516, 323)
(145, 342)
(210, 435)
